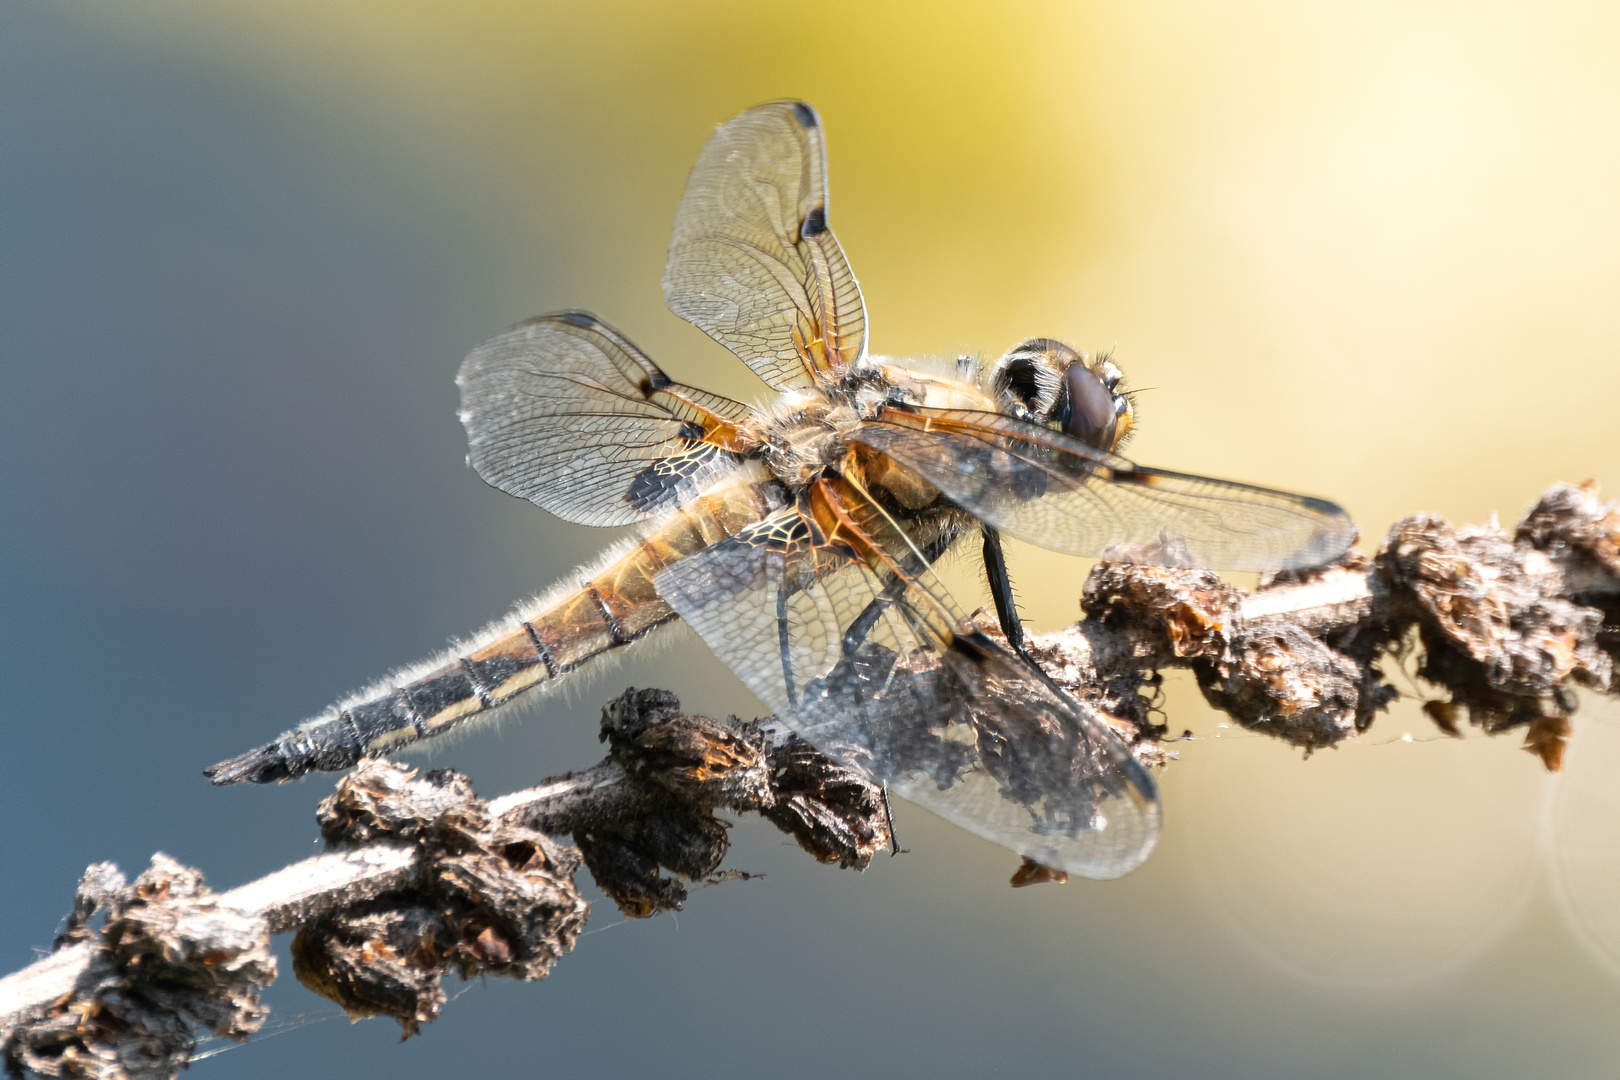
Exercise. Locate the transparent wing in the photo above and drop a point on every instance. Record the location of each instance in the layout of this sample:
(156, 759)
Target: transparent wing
(1042, 486)
(752, 262)
(564, 411)
(829, 614)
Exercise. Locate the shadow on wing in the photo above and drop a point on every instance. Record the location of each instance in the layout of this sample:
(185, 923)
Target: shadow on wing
(1052, 490)
(829, 614)
(752, 262)
(566, 412)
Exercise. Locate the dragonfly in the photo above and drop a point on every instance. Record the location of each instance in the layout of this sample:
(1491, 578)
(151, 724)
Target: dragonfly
(799, 537)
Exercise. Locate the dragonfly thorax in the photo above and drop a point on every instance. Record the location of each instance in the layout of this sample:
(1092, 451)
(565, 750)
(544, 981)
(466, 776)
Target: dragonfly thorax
(805, 433)
(801, 443)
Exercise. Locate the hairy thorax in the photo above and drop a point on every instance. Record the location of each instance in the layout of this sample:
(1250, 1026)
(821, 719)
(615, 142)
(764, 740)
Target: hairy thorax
(803, 436)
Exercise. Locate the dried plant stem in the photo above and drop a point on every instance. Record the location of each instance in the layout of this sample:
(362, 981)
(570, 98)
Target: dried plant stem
(421, 876)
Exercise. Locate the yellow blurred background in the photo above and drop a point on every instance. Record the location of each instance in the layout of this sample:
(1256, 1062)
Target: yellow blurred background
(1368, 251)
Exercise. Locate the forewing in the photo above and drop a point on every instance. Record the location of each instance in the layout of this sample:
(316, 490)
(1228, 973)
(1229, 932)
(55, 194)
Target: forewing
(565, 411)
(1042, 486)
(832, 617)
(752, 262)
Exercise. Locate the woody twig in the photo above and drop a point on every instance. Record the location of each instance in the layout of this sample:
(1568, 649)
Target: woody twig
(1504, 627)
(421, 876)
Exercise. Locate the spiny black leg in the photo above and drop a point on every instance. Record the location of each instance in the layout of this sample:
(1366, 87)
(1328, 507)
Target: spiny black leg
(855, 633)
(784, 643)
(995, 565)
(1001, 591)
(855, 636)
(888, 817)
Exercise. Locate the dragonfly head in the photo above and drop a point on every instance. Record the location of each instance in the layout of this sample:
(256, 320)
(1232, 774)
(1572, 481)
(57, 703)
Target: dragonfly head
(1046, 382)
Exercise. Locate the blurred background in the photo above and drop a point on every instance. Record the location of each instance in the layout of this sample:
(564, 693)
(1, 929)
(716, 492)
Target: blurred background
(1367, 251)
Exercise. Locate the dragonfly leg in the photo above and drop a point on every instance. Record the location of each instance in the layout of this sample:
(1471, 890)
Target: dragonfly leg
(855, 635)
(1001, 591)
(782, 639)
(995, 565)
(888, 818)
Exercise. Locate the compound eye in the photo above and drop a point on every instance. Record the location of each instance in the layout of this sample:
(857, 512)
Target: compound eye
(1091, 414)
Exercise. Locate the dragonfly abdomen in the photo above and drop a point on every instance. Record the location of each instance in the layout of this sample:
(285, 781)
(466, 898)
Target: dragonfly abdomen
(604, 607)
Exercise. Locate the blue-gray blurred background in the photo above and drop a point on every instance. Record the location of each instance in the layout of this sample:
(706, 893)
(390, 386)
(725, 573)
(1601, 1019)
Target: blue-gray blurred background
(1369, 251)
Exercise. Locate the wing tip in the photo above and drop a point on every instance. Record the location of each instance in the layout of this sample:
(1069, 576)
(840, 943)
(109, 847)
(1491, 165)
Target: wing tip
(804, 114)
(1334, 536)
(585, 320)
(1105, 852)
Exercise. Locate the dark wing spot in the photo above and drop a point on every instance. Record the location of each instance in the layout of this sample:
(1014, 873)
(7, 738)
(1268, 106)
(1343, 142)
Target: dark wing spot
(1321, 506)
(656, 485)
(582, 319)
(815, 223)
(655, 380)
(648, 489)
(804, 114)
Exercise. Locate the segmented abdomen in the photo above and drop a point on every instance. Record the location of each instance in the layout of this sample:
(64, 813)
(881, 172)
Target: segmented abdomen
(613, 604)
